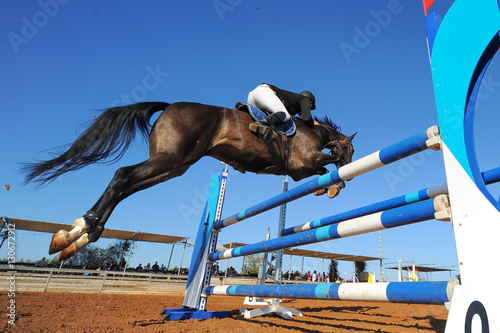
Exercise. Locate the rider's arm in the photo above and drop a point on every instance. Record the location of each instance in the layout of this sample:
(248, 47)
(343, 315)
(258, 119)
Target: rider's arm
(305, 112)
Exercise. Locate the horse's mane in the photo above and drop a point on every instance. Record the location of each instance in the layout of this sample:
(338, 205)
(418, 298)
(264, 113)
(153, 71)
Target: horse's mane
(325, 120)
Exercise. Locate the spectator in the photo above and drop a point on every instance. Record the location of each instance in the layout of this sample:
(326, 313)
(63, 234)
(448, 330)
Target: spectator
(163, 269)
(86, 273)
(155, 267)
(113, 266)
(308, 276)
(147, 268)
(139, 268)
(42, 263)
(231, 271)
(215, 269)
(122, 264)
(314, 277)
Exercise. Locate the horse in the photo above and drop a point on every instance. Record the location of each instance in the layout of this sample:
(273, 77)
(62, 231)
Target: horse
(182, 134)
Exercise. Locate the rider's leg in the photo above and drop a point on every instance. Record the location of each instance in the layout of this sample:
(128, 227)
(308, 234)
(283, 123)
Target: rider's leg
(263, 126)
(273, 118)
(265, 99)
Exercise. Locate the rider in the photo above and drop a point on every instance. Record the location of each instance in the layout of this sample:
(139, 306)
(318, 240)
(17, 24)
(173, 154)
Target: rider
(281, 104)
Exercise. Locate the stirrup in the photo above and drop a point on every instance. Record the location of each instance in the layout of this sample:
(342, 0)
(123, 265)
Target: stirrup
(263, 131)
(258, 127)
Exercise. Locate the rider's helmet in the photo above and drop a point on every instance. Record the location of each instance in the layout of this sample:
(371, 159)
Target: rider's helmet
(309, 95)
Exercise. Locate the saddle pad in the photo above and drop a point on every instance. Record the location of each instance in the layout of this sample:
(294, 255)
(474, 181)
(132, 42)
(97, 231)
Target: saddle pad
(257, 114)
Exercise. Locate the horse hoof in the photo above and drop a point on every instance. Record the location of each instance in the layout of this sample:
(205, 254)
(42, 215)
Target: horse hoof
(60, 241)
(320, 192)
(333, 191)
(74, 248)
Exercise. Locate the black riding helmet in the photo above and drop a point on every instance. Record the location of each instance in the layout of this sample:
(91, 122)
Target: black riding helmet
(309, 95)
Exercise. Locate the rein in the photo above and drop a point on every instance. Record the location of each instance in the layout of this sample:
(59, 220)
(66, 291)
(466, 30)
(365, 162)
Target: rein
(286, 152)
(332, 138)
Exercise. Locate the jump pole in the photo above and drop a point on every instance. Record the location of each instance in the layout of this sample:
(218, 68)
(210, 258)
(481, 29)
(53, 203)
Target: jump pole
(437, 208)
(396, 292)
(489, 177)
(399, 201)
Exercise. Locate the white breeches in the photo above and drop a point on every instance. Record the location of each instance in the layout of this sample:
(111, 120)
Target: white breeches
(264, 98)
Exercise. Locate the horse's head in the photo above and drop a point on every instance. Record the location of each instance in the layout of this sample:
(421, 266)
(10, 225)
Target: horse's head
(340, 145)
(343, 149)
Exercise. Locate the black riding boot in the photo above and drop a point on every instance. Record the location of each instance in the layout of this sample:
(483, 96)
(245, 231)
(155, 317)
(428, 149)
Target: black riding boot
(263, 126)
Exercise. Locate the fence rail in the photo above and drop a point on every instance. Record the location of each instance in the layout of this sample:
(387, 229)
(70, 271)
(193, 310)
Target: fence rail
(92, 281)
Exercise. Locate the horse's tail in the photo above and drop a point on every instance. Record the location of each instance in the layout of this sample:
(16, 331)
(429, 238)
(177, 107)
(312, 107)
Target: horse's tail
(109, 135)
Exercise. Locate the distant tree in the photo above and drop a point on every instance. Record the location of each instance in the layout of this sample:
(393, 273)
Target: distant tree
(53, 262)
(359, 266)
(252, 264)
(95, 257)
(333, 270)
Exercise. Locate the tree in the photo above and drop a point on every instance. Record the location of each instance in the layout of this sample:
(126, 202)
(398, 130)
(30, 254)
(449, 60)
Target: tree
(333, 270)
(94, 257)
(252, 264)
(359, 267)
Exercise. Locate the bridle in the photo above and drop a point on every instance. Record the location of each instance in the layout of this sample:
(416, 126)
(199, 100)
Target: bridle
(336, 147)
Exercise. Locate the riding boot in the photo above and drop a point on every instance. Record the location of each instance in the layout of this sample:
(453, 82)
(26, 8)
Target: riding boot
(263, 126)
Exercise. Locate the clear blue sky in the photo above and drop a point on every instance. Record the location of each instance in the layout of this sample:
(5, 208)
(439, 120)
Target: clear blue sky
(63, 61)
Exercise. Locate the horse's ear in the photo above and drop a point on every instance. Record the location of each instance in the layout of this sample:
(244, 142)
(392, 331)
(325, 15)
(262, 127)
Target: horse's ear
(352, 136)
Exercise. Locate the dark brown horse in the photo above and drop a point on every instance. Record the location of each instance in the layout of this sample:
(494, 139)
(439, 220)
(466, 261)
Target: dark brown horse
(181, 135)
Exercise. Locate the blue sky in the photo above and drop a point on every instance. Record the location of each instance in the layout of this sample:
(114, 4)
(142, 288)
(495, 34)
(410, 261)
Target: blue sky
(365, 61)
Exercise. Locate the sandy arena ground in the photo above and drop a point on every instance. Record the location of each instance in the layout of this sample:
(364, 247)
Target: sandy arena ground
(77, 312)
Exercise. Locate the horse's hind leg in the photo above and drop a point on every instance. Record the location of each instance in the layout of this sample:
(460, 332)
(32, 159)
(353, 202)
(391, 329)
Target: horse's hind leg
(126, 181)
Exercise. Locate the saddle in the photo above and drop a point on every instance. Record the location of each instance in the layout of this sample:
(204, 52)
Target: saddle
(287, 128)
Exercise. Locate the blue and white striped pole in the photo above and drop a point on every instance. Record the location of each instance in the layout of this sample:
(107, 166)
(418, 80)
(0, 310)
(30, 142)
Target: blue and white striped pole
(489, 177)
(407, 199)
(417, 212)
(402, 149)
(398, 292)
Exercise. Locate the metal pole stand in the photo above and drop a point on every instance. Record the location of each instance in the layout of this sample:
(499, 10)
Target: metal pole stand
(282, 311)
(200, 271)
(275, 306)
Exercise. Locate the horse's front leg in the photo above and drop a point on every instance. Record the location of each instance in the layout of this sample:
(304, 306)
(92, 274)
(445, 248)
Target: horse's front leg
(333, 190)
